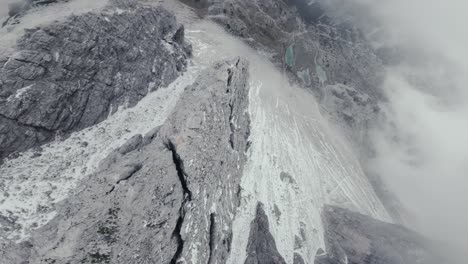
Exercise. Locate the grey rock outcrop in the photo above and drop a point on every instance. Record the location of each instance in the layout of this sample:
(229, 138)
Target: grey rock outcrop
(177, 202)
(71, 75)
(261, 248)
(355, 238)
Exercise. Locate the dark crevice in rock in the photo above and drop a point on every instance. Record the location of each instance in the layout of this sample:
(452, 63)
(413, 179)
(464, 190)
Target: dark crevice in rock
(230, 75)
(111, 190)
(227, 242)
(212, 242)
(229, 79)
(179, 164)
(176, 234)
(231, 125)
(238, 195)
(248, 145)
(237, 62)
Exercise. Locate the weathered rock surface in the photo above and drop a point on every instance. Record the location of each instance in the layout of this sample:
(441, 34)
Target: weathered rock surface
(261, 248)
(70, 75)
(355, 238)
(177, 203)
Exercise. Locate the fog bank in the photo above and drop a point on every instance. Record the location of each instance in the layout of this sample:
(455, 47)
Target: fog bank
(422, 143)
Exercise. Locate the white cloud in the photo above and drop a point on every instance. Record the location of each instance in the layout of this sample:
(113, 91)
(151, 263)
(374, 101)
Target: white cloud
(423, 152)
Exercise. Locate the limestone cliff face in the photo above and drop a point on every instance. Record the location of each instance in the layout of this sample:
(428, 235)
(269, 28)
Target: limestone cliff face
(71, 75)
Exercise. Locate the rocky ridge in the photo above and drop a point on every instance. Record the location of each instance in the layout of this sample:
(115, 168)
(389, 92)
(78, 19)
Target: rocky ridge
(164, 197)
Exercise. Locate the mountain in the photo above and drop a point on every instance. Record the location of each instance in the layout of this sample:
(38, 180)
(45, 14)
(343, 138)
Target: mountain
(192, 132)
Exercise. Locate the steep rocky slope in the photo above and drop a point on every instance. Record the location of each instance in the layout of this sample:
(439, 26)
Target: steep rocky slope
(167, 196)
(70, 75)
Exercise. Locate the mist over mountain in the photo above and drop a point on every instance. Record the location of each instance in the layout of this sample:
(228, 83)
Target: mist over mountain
(421, 151)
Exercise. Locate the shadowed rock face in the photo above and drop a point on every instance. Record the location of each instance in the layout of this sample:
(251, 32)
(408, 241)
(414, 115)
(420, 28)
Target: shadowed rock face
(261, 248)
(71, 75)
(165, 197)
(355, 238)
